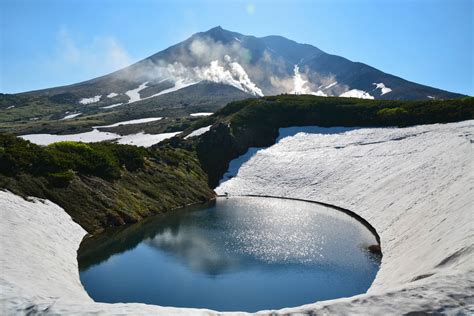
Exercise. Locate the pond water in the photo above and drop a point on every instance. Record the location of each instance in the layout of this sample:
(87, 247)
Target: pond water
(241, 253)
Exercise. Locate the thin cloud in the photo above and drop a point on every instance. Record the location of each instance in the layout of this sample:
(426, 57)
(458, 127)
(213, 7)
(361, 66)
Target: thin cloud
(250, 8)
(97, 56)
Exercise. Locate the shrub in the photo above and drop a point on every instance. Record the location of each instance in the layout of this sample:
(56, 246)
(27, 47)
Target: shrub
(395, 116)
(61, 179)
(54, 161)
(86, 159)
(132, 157)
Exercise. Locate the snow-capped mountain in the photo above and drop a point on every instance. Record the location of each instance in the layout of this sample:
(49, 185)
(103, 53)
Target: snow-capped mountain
(254, 66)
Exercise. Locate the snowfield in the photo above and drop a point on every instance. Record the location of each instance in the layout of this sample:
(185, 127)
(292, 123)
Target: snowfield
(86, 137)
(414, 185)
(90, 100)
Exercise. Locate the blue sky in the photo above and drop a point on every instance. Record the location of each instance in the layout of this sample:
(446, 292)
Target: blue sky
(47, 43)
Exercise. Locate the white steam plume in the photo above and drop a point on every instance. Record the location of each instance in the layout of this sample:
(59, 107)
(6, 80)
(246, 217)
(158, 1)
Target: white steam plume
(228, 72)
(231, 73)
(300, 85)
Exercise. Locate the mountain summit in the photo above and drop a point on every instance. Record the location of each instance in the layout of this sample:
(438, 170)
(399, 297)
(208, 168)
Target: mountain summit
(255, 66)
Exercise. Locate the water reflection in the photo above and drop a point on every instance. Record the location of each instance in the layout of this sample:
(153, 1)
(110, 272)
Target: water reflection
(243, 253)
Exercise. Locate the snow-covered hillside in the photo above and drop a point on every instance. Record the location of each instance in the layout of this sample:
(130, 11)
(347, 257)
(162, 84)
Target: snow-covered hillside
(414, 185)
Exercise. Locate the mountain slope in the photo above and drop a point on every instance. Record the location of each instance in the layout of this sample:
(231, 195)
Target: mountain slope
(202, 74)
(257, 66)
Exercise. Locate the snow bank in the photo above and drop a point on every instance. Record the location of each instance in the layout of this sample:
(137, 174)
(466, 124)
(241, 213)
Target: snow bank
(354, 93)
(112, 95)
(70, 116)
(199, 131)
(414, 185)
(90, 100)
(39, 272)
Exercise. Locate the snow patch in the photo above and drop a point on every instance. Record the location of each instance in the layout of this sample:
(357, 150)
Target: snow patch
(90, 100)
(354, 93)
(10, 107)
(97, 136)
(199, 132)
(111, 106)
(136, 121)
(112, 95)
(201, 114)
(237, 39)
(87, 137)
(145, 140)
(70, 116)
(134, 94)
(383, 89)
(138, 139)
(179, 84)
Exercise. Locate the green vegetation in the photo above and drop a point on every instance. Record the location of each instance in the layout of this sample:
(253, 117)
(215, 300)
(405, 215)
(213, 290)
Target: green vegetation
(103, 160)
(103, 184)
(290, 110)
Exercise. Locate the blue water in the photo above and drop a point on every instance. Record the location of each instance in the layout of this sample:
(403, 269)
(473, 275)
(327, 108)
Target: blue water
(243, 253)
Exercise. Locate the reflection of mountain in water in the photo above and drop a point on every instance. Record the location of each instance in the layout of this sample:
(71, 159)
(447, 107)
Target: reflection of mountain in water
(240, 253)
(195, 250)
(240, 233)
